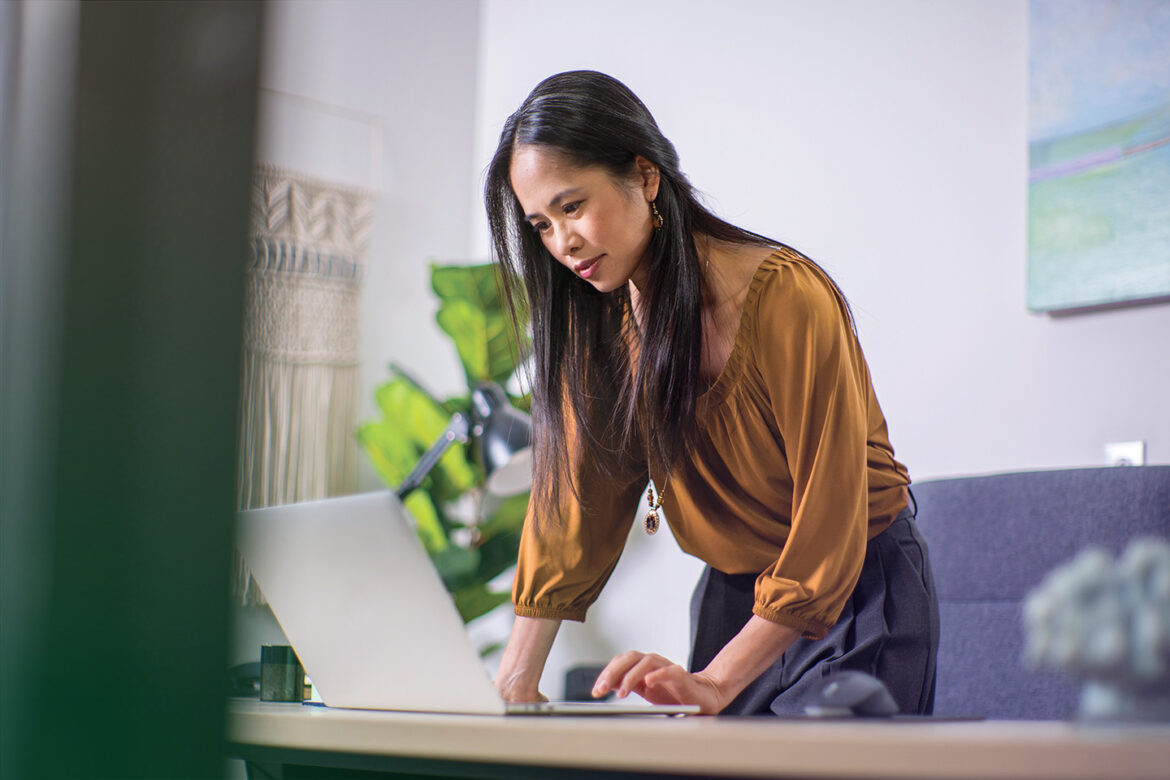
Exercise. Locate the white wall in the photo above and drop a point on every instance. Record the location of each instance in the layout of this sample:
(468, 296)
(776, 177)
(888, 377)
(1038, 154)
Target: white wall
(888, 141)
(407, 67)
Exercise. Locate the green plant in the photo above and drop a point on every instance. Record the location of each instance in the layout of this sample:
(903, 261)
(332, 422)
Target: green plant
(471, 537)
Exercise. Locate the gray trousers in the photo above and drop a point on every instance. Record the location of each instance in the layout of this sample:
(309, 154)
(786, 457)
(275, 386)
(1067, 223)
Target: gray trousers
(888, 628)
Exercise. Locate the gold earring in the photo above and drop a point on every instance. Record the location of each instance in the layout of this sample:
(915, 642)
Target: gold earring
(655, 217)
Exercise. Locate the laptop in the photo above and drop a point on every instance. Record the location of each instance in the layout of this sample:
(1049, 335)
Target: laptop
(369, 617)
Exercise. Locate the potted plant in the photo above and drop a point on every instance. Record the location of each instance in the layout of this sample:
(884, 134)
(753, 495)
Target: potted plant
(471, 536)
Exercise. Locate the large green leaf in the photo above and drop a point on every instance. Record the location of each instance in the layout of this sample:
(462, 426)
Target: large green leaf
(476, 600)
(393, 456)
(497, 555)
(467, 327)
(427, 523)
(420, 420)
(499, 537)
(507, 518)
(473, 315)
(458, 566)
(484, 652)
(391, 453)
(458, 404)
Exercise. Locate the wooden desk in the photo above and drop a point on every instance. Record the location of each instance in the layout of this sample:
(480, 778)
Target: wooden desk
(295, 741)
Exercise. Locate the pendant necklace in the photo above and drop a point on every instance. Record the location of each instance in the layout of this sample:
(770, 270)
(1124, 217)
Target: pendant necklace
(653, 499)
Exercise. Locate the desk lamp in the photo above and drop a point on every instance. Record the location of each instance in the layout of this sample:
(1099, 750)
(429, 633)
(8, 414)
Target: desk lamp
(502, 443)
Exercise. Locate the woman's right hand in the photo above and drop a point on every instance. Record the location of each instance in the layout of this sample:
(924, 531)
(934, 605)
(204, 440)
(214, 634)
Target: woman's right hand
(522, 693)
(523, 663)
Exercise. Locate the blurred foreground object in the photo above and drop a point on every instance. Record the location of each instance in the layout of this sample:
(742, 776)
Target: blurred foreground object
(1108, 622)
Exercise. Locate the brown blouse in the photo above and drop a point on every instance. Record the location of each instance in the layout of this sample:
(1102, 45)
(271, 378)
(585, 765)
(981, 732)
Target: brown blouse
(792, 473)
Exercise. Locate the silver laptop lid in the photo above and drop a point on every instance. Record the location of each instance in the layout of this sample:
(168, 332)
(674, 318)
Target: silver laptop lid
(364, 608)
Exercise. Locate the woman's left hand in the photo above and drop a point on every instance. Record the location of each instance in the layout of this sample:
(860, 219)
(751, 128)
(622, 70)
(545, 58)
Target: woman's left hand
(658, 681)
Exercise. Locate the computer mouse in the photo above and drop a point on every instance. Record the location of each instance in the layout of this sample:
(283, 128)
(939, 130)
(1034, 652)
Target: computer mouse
(850, 694)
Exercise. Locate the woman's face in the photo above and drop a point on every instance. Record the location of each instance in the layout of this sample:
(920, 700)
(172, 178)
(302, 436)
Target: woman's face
(596, 226)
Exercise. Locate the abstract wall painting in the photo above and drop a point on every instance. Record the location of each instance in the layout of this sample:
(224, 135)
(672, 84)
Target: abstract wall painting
(1098, 154)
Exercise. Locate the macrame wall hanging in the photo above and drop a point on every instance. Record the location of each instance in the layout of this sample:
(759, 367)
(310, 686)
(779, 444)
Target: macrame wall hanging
(302, 345)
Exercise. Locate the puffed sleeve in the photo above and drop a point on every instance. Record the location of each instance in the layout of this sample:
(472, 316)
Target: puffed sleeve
(565, 561)
(816, 380)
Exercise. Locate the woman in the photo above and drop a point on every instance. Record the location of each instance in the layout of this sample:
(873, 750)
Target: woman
(722, 366)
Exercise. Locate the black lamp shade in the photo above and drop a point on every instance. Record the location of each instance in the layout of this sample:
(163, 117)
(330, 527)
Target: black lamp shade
(502, 436)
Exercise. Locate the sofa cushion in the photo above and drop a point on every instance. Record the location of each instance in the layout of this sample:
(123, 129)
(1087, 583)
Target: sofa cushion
(996, 537)
(991, 540)
(976, 680)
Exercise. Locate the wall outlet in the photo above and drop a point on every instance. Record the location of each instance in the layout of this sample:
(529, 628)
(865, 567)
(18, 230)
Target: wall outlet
(1125, 453)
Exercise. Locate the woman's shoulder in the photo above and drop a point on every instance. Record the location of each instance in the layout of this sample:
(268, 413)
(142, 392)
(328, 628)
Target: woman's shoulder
(789, 291)
(788, 276)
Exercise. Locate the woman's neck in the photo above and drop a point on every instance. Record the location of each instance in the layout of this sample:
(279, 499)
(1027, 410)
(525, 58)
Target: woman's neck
(728, 273)
(726, 270)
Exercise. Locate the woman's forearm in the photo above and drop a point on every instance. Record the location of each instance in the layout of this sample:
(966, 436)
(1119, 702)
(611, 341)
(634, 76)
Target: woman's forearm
(757, 646)
(524, 658)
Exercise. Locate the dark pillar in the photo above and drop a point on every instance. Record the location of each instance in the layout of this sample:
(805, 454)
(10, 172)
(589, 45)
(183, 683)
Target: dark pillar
(134, 506)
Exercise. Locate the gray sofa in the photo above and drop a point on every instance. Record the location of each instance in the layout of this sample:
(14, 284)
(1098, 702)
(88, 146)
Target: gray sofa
(991, 540)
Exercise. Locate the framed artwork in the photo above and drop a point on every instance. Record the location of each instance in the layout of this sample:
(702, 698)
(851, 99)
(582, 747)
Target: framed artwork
(1098, 154)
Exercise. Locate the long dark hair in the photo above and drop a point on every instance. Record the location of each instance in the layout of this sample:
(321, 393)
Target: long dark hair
(586, 377)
